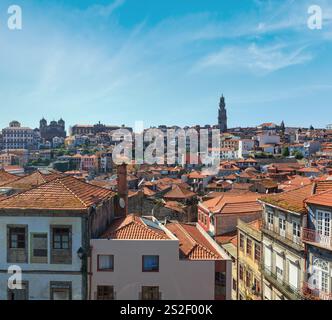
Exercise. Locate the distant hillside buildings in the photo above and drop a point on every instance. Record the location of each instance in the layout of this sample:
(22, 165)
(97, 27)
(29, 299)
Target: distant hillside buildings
(52, 130)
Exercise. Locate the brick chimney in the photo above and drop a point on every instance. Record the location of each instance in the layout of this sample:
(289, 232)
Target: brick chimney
(122, 206)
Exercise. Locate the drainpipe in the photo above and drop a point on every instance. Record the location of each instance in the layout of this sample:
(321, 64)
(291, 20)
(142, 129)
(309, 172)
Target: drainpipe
(237, 266)
(90, 273)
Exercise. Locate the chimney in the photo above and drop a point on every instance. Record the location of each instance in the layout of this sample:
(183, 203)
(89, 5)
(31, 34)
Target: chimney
(122, 190)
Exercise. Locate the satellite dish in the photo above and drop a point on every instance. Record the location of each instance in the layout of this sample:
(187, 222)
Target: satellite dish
(122, 203)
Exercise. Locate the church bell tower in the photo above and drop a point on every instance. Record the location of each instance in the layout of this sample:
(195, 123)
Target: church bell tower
(222, 118)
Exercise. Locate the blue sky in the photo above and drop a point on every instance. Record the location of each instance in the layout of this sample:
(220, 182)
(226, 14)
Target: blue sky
(166, 62)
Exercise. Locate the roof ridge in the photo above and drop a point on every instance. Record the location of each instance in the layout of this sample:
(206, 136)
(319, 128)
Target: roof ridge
(68, 189)
(194, 242)
(205, 249)
(138, 224)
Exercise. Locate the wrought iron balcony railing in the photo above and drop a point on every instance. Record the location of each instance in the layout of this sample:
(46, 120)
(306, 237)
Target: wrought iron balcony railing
(313, 236)
(284, 286)
(312, 293)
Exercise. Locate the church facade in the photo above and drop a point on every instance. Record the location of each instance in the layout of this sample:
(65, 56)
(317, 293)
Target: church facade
(52, 130)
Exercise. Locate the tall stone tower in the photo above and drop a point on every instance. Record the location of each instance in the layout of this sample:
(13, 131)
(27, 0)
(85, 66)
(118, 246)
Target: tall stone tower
(222, 118)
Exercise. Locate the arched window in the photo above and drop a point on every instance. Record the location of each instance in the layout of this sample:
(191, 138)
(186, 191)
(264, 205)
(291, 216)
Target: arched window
(320, 277)
(320, 264)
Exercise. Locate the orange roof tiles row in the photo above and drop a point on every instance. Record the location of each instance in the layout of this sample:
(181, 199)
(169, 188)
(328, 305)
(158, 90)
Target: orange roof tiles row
(132, 227)
(193, 245)
(61, 193)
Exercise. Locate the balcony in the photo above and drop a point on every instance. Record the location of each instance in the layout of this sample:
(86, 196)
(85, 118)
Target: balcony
(283, 286)
(286, 238)
(315, 294)
(312, 236)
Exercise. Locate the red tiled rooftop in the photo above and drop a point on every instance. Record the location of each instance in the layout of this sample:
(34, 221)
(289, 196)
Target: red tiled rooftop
(32, 180)
(292, 200)
(193, 245)
(179, 192)
(228, 204)
(6, 177)
(132, 227)
(322, 199)
(65, 193)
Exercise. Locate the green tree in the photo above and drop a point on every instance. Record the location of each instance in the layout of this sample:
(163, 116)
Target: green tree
(285, 152)
(298, 155)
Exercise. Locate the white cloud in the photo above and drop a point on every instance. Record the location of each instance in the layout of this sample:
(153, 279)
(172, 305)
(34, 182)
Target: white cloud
(106, 10)
(254, 58)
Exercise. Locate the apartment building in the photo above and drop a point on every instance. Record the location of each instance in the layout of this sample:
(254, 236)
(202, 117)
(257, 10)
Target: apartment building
(219, 215)
(284, 263)
(249, 253)
(17, 137)
(230, 246)
(138, 258)
(46, 231)
(318, 240)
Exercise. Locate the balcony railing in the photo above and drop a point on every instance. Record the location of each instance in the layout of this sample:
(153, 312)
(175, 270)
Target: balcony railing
(315, 294)
(287, 237)
(284, 286)
(313, 236)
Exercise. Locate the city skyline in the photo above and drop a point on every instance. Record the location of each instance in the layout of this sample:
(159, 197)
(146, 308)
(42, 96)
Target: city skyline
(119, 62)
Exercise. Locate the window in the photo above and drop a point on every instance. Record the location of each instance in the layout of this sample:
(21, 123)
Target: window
(105, 293)
(61, 244)
(220, 283)
(17, 244)
(324, 223)
(38, 248)
(150, 263)
(257, 252)
(61, 238)
(19, 294)
(60, 290)
(248, 279)
(105, 263)
(296, 232)
(234, 285)
(241, 241)
(270, 220)
(17, 238)
(150, 293)
(241, 273)
(257, 286)
(282, 227)
(249, 247)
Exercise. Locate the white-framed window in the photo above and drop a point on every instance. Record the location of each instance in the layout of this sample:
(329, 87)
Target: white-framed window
(282, 226)
(296, 232)
(320, 277)
(270, 220)
(279, 267)
(323, 225)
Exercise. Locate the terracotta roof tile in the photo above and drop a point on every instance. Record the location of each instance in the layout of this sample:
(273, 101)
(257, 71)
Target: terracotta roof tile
(323, 199)
(178, 192)
(62, 193)
(6, 177)
(292, 200)
(323, 185)
(228, 204)
(193, 245)
(132, 227)
(35, 179)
